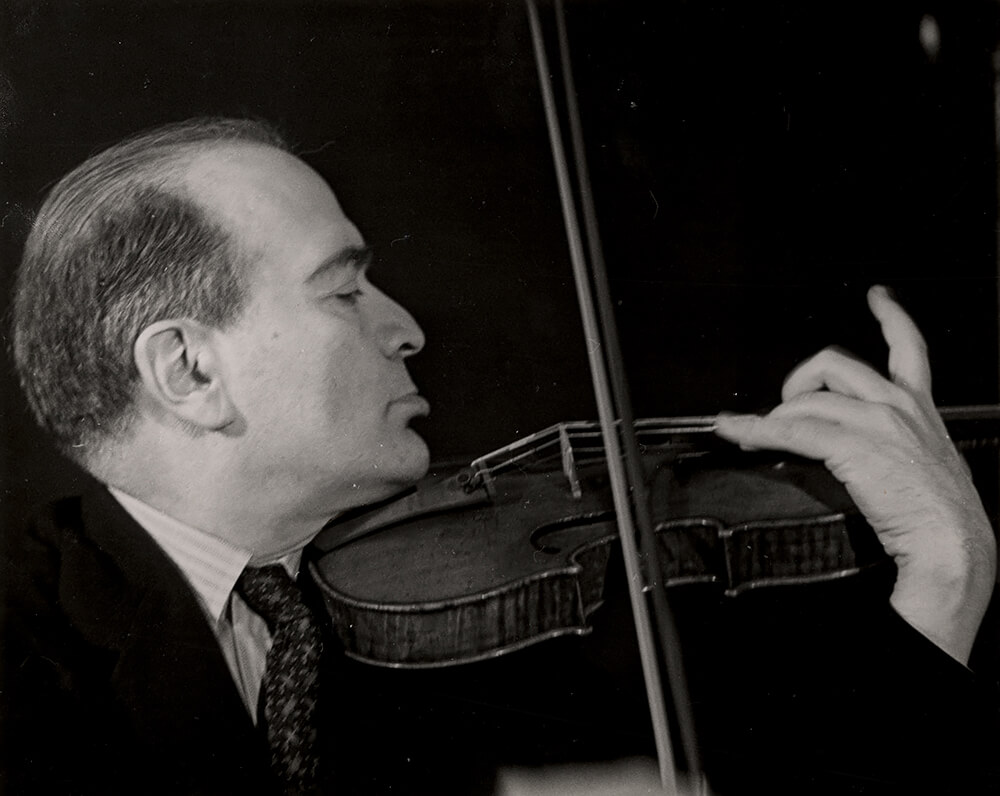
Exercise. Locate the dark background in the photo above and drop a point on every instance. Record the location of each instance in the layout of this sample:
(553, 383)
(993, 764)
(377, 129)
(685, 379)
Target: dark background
(756, 166)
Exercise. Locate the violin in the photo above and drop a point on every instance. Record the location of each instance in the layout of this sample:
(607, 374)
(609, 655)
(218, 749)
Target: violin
(513, 549)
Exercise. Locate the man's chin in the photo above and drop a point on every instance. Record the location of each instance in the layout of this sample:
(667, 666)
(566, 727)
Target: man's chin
(417, 459)
(402, 471)
(416, 463)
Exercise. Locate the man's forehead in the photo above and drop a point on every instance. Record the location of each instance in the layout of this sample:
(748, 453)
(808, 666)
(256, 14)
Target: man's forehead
(248, 176)
(271, 201)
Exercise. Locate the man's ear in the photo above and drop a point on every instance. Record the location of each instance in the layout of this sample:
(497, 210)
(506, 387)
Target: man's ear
(180, 371)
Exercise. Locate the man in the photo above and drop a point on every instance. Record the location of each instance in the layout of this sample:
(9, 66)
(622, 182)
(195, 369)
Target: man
(194, 324)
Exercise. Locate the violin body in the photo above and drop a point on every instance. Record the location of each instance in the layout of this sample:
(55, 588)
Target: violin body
(514, 549)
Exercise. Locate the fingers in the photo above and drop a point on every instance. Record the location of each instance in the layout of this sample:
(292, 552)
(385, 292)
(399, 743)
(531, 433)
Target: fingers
(908, 364)
(752, 432)
(818, 425)
(834, 370)
(837, 371)
(832, 401)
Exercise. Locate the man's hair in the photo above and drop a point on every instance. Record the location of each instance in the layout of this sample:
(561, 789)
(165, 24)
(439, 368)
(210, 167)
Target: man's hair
(118, 244)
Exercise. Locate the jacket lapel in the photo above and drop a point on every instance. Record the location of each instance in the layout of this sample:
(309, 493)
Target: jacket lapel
(170, 673)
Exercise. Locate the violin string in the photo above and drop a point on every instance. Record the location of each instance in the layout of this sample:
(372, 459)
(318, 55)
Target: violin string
(650, 431)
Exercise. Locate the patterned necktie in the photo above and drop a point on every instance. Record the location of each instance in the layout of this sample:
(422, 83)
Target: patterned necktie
(290, 689)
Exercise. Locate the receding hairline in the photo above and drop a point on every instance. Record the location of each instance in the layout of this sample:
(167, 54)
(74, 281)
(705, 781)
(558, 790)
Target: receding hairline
(179, 163)
(182, 168)
(179, 177)
(202, 179)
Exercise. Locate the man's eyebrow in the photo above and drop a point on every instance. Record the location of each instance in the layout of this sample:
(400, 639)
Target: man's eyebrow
(357, 258)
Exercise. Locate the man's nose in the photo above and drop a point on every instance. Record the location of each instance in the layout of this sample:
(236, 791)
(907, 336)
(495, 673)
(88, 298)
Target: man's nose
(399, 334)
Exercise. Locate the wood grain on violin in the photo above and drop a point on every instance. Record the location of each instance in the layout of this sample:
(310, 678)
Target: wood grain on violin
(513, 549)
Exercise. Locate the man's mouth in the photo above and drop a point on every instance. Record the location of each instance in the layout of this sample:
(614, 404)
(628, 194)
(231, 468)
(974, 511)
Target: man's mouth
(415, 403)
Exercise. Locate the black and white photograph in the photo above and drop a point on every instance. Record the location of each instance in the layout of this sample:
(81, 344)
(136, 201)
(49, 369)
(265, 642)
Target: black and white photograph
(517, 397)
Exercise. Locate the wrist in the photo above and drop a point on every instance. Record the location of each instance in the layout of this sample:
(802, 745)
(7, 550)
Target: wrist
(944, 594)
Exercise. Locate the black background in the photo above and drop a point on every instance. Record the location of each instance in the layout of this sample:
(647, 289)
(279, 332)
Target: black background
(756, 167)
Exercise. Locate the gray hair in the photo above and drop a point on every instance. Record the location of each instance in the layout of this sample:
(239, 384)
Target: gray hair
(117, 245)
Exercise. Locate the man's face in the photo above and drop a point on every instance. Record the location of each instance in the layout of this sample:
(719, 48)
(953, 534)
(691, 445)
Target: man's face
(315, 366)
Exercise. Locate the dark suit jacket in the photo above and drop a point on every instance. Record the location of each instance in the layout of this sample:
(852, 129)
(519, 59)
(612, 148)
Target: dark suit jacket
(114, 683)
(113, 680)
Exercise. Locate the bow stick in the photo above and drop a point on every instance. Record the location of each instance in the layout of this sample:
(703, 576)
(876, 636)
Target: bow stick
(614, 410)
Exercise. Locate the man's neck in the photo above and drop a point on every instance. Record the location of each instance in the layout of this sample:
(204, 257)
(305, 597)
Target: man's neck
(191, 489)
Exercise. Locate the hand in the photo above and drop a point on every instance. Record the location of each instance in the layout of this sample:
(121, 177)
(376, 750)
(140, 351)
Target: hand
(884, 440)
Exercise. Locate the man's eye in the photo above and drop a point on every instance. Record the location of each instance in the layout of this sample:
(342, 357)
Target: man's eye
(351, 297)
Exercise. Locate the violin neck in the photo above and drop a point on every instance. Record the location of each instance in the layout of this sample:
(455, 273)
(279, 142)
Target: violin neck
(579, 442)
(973, 427)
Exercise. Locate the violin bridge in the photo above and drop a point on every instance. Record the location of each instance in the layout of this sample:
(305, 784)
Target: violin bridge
(569, 463)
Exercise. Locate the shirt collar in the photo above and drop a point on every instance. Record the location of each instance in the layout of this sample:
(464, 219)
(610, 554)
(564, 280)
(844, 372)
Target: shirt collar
(211, 564)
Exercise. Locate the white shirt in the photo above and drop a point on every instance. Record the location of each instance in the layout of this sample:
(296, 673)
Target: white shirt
(212, 566)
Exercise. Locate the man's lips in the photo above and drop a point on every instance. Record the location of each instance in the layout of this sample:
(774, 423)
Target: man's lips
(416, 403)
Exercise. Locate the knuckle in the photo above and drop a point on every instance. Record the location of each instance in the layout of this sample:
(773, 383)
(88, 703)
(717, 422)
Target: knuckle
(917, 342)
(908, 403)
(829, 355)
